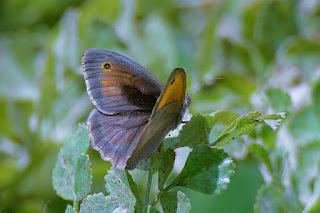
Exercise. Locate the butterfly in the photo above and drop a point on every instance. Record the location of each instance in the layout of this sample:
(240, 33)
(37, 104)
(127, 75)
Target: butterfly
(133, 111)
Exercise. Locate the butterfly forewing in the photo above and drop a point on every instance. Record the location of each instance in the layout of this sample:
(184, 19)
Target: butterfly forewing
(166, 116)
(157, 128)
(117, 84)
(174, 90)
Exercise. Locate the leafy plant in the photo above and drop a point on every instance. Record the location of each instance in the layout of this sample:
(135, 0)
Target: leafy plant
(208, 169)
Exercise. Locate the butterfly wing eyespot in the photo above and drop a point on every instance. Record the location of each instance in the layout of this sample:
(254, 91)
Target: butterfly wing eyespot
(173, 81)
(106, 65)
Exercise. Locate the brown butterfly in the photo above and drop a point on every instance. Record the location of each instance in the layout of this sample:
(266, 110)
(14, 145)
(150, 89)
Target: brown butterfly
(134, 111)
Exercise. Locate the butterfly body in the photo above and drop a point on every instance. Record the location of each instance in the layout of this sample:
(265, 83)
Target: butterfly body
(134, 111)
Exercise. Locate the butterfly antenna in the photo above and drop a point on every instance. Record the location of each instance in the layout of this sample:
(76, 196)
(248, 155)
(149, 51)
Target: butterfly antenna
(206, 83)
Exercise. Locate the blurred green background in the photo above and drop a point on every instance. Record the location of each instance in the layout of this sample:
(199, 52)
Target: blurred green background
(268, 53)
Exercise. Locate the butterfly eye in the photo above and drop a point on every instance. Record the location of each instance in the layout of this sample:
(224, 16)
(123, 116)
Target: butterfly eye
(106, 65)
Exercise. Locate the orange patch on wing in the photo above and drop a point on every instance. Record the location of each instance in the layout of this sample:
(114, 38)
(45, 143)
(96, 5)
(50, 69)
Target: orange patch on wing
(113, 80)
(108, 81)
(175, 90)
(112, 91)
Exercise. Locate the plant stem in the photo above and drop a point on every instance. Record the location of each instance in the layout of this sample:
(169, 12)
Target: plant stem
(161, 192)
(157, 198)
(76, 205)
(147, 198)
(173, 184)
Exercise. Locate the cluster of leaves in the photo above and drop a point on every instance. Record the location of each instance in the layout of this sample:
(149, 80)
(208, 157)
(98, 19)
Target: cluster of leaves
(207, 169)
(266, 50)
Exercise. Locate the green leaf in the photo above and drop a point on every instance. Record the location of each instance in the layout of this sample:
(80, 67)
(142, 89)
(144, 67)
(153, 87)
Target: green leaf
(83, 176)
(155, 160)
(246, 124)
(123, 190)
(197, 130)
(98, 203)
(273, 121)
(72, 173)
(169, 201)
(270, 199)
(207, 170)
(166, 166)
(69, 209)
(279, 100)
(171, 143)
(153, 210)
(175, 202)
(262, 154)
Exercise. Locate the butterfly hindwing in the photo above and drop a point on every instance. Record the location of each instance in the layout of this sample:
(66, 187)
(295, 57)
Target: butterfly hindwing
(115, 136)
